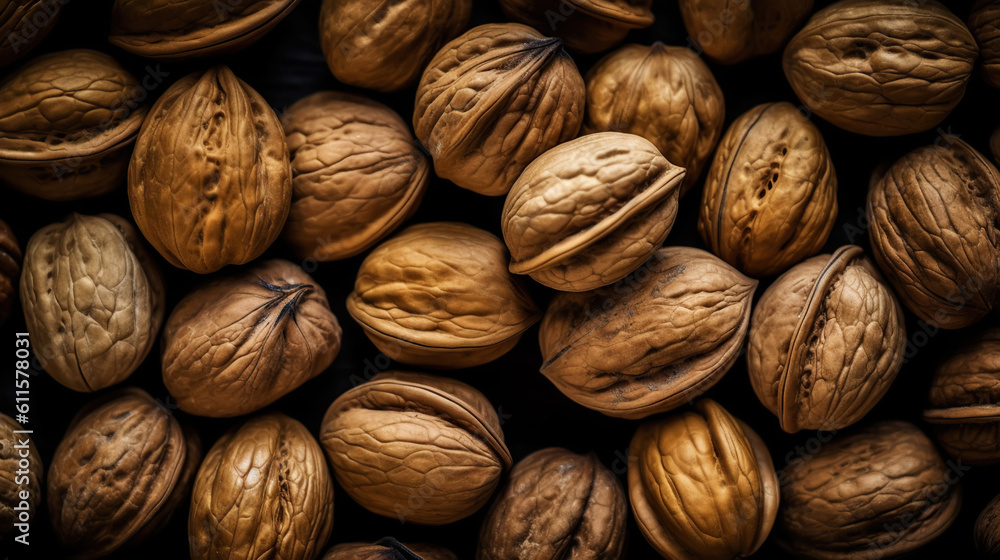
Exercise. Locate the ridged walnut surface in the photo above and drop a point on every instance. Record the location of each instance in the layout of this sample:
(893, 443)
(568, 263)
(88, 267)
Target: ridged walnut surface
(729, 32)
(13, 483)
(10, 270)
(23, 25)
(984, 23)
(387, 549)
(587, 26)
(987, 529)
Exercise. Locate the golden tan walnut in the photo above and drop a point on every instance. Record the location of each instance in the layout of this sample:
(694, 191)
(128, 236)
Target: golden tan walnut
(730, 32)
(984, 23)
(10, 270)
(16, 479)
(387, 549)
(586, 26)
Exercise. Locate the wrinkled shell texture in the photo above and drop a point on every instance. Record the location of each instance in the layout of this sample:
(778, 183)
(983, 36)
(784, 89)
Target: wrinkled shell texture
(19, 26)
(654, 340)
(770, 198)
(881, 68)
(384, 550)
(494, 99)
(935, 232)
(984, 23)
(588, 212)
(987, 529)
(702, 485)
(239, 343)
(210, 182)
(93, 300)
(10, 269)
(557, 505)
(263, 491)
(826, 341)
(357, 174)
(586, 26)
(114, 471)
(396, 37)
(420, 297)
(731, 32)
(664, 94)
(404, 434)
(827, 506)
(10, 486)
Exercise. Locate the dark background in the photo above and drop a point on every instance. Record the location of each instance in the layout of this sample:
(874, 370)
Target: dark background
(287, 65)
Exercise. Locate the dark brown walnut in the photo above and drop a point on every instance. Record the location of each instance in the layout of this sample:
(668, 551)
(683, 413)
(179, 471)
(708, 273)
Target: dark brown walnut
(987, 530)
(114, 473)
(934, 231)
(68, 120)
(23, 25)
(587, 26)
(357, 174)
(653, 341)
(210, 183)
(10, 269)
(93, 300)
(263, 491)
(388, 549)
(881, 492)
(172, 29)
(730, 32)
(15, 508)
(557, 505)
(494, 99)
(984, 23)
(385, 45)
(439, 295)
(702, 485)
(588, 212)
(881, 67)
(664, 94)
(240, 343)
(770, 198)
(827, 339)
(418, 448)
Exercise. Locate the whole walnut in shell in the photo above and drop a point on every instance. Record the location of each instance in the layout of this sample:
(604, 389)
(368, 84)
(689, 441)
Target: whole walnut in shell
(881, 67)
(827, 339)
(770, 198)
(587, 26)
(654, 340)
(702, 485)
(10, 270)
(68, 120)
(23, 25)
(385, 45)
(984, 23)
(557, 505)
(210, 183)
(93, 300)
(933, 228)
(588, 212)
(494, 99)
(987, 530)
(419, 448)
(15, 508)
(357, 174)
(388, 549)
(730, 32)
(664, 94)
(240, 343)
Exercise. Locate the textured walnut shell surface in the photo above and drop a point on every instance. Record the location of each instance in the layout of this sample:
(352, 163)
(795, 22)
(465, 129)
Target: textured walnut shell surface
(262, 491)
(827, 339)
(654, 340)
(590, 211)
(388, 549)
(93, 300)
(494, 99)
(10, 269)
(587, 26)
(11, 484)
(878, 493)
(934, 232)
(240, 343)
(770, 197)
(397, 39)
(23, 24)
(357, 174)
(987, 529)
(984, 23)
(210, 182)
(881, 68)
(556, 505)
(731, 32)
(404, 432)
(172, 29)
(702, 485)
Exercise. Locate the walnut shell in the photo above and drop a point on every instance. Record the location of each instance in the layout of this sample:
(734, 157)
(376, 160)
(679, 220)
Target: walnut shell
(23, 25)
(749, 28)
(934, 217)
(878, 493)
(439, 295)
(984, 23)
(987, 529)
(494, 99)
(388, 549)
(588, 212)
(654, 340)
(357, 174)
(770, 198)
(263, 491)
(210, 183)
(827, 339)
(664, 94)
(420, 448)
(93, 300)
(386, 45)
(702, 485)
(557, 505)
(68, 120)
(240, 343)
(15, 479)
(10, 269)
(586, 26)
(883, 67)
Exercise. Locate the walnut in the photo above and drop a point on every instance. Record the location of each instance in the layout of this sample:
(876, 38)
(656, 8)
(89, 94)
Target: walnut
(14, 450)
(24, 24)
(10, 269)
(587, 26)
(984, 23)
(987, 529)
(388, 549)
(730, 32)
